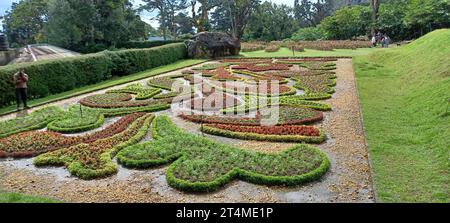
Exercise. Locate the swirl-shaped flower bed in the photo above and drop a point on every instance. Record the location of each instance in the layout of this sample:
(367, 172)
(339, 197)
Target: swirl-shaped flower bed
(36, 120)
(94, 159)
(202, 165)
(138, 90)
(318, 84)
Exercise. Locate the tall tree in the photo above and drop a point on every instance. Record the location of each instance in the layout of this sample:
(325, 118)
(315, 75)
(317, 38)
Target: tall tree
(183, 24)
(271, 22)
(25, 21)
(375, 5)
(200, 16)
(167, 10)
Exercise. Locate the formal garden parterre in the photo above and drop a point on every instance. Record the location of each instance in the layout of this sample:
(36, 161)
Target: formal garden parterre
(242, 94)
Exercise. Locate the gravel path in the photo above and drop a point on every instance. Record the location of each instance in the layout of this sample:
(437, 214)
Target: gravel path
(349, 179)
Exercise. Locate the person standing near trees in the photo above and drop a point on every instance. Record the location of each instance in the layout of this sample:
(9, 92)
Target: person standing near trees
(21, 80)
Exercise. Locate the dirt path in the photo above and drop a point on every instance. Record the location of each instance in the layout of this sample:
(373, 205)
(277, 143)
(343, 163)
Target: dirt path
(348, 180)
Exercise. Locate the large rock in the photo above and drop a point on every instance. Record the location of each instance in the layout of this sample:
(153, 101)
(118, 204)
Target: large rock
(212, 45)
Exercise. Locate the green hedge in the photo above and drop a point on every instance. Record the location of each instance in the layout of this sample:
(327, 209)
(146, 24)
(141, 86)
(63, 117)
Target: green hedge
(146, 44)
(56, 76)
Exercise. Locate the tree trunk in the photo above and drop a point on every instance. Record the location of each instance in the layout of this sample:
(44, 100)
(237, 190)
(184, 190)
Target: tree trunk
(375, 4)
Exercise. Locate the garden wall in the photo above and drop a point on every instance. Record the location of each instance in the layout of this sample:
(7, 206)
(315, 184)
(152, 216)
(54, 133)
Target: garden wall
(56, 76)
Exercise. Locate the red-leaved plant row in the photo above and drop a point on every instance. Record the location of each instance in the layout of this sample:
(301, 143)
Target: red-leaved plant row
(306, 72)
(241, 60)
(270, 130)
(246, 121)
(261, 88)
(323, 59)
(33, 143)
(221, 73)
(259, 67)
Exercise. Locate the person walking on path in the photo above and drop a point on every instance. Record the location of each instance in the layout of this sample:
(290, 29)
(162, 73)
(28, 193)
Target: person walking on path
(374, 41)
(21, 80)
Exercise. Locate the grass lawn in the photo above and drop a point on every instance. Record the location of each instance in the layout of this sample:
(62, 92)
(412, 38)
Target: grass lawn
(404, 93)
(106, 84)
(285, 52)
(6, 197)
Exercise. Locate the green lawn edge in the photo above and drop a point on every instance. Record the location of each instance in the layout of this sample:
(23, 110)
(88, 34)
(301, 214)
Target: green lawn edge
(10, 197)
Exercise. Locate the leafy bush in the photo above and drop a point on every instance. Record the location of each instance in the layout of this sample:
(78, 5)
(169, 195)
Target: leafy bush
(347, 22)
(252, 46)
(308, 34)
(272, 47)
(56, 76)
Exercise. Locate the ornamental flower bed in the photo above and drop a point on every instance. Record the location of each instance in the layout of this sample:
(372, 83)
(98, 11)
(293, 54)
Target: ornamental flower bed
(284, 133)
(251, 89)
(323, 59)
(36, 120)
(259, 67)
(317, 84)
(221, 74)
(306, 72)
(77, 120)
(198, 164)
(214, 101)
(138, 90)
(211, 66)
(257, 78)
(270, 130)
(33, 143)
(242, 60)
(318, 65)
(94, 160)
(117, 100)
(163, 82)
(288, 115)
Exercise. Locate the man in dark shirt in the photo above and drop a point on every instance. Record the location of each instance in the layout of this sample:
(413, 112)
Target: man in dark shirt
(21, 80)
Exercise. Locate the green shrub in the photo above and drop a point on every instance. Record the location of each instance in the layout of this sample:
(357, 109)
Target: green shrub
(56, 76)
(308, 34)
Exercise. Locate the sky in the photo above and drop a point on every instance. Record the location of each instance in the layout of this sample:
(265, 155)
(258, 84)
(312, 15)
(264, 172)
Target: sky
(148, 17)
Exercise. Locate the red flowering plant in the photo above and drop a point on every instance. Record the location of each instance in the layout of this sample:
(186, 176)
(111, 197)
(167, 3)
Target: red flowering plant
(29, 144)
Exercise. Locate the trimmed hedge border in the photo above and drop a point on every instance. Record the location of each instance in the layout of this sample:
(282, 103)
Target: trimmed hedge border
(56, 76)
(262, 137)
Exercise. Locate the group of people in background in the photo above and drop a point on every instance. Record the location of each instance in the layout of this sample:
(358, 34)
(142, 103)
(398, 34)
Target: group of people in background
(381, 39)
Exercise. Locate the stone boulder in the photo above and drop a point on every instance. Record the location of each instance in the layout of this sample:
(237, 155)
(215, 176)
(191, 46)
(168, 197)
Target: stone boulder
(212, 45)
